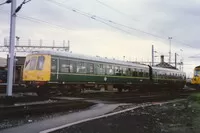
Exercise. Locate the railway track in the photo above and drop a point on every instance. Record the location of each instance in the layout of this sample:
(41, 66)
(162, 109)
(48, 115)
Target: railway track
(38, 107)
(135, 96)
(51, 104)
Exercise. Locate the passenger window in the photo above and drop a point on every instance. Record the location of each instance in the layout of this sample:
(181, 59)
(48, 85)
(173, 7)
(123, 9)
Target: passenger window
(146, 74)
(140, 73)
(117, 71)
(100, 69)
(40, 63)
(109, 70)
(90, 68)
(33, 63)
(81, 67)
(73, 66)
(64, 66)
(128, 73)
(53, 65)
(124, 71)
(134, 72)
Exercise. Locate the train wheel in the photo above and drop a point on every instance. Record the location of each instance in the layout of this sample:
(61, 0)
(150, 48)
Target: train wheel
(46, 92)
(70, 90)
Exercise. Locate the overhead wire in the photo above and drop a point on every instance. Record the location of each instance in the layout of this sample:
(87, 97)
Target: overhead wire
(109, 22)
(101, 19)
(116, 10)
(6, 2)
(94, 17)
(20, 6)
(35, 20)
(42, 21)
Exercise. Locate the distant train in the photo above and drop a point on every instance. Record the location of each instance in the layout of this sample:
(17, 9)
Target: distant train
(17, 72)
(69, 72)
(16, 75)
(3, 76)
(195, 82)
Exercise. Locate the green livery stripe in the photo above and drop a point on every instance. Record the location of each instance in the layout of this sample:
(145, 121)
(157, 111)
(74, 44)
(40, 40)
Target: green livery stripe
(114, 76)
(133, 77)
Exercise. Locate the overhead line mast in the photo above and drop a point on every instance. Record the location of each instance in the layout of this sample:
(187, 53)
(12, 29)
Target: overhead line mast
(11, 54)
(11, 48)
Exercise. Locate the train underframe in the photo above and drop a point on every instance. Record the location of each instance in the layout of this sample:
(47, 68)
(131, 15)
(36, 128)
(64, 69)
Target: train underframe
(194, 86)
(44, 88)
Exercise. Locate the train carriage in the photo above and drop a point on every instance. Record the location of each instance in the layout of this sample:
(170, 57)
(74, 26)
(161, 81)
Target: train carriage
(195, 82)
(72, 72)
(168, 78)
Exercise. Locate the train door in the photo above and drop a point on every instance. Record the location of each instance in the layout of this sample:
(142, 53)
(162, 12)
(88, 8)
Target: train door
(54, 69)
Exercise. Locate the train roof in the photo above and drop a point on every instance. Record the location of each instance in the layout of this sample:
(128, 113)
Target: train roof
(91, 58)
(167, 69)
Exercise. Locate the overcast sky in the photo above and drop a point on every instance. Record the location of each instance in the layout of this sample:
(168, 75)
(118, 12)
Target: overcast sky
(178, 19)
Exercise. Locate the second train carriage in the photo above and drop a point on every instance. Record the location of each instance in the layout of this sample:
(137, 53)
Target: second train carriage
(69, 71)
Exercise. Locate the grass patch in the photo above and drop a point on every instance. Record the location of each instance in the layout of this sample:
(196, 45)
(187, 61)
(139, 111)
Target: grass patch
(194, 97)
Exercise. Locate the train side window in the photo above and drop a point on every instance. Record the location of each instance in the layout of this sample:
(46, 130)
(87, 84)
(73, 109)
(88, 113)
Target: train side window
(109, 70)
(100, 69)
(27, 63)
(72, 66)
(53, 65)
(128, 72)
(33, 63)
(146, 73)
(81, 67)
(134, 72)
(90, 68)
(40, 63)
(121, 71)
(117, 71)
(124, 71)
(64, 66)
(141, 73)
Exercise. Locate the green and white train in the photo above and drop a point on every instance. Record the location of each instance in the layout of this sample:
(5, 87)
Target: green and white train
(73, 72)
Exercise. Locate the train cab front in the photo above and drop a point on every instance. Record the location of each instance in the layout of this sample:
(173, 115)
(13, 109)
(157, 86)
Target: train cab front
(195, 82)
(36, 71)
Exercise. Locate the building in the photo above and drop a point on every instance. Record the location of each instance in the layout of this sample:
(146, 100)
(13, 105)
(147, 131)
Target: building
(164, 64)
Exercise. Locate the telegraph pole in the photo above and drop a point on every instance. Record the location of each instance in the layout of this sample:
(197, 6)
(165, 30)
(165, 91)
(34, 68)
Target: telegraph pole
(175, 60)
(152, 55)
(11, 49)
(170, 38)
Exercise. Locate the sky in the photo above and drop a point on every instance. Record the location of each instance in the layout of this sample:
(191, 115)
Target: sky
(112, 28)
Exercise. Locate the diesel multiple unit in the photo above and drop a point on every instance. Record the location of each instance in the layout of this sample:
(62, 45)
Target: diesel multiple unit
(73, 72)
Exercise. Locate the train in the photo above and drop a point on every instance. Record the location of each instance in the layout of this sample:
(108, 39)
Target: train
(70, 72)
(195, 81)
(17, 72)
